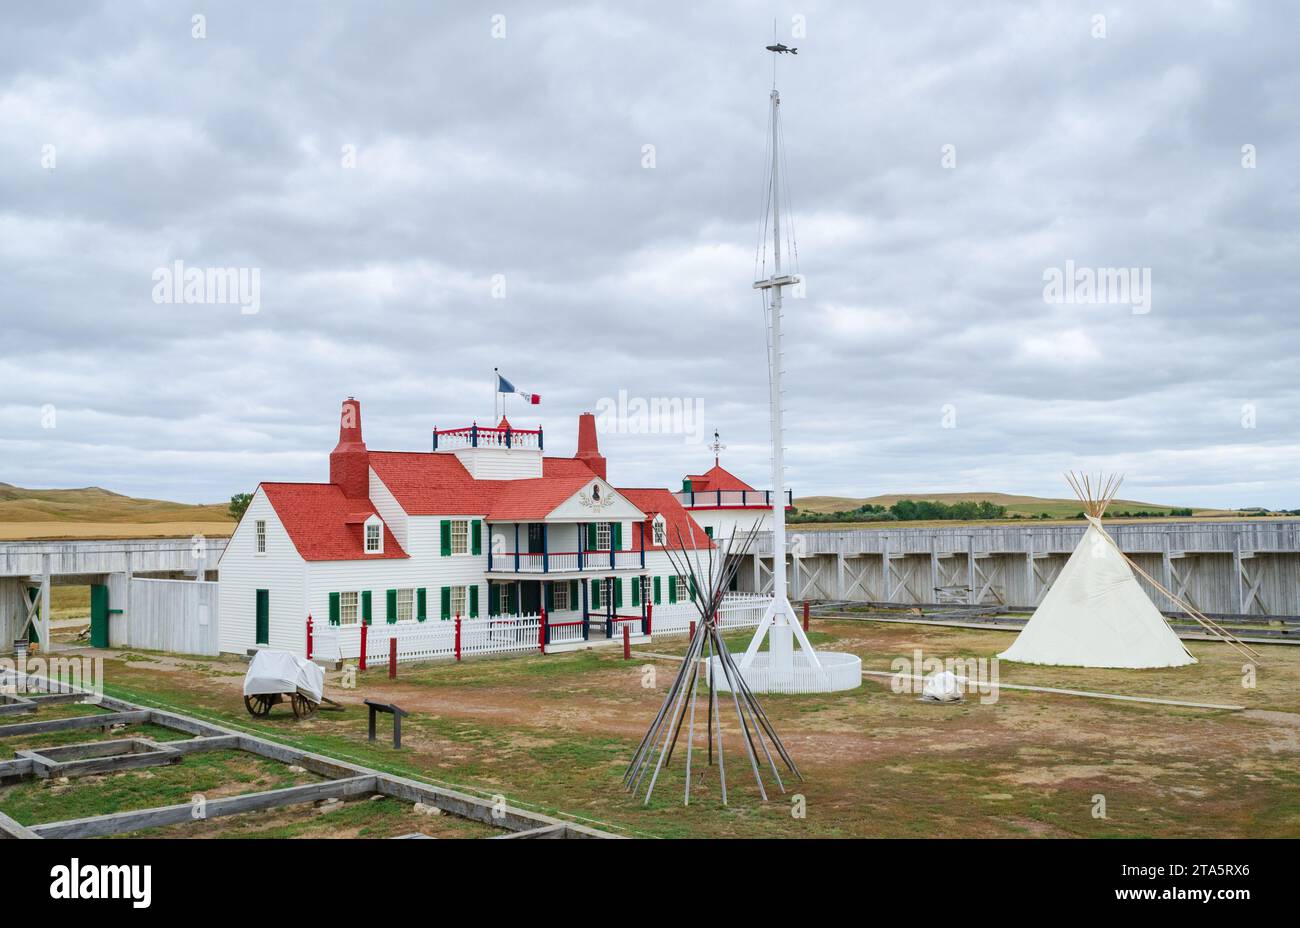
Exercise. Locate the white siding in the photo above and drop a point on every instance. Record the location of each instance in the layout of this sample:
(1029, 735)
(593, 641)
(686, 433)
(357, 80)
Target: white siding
(389, 509)
(280, 571)
(501, 463)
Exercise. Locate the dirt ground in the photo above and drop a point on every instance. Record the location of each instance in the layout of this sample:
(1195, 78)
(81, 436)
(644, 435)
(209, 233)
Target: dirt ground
(555, 733)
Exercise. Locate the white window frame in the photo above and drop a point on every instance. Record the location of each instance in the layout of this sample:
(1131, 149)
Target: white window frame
(607, 593)
(683, 591)
(354, 604)
(647, 590)
(459, 532)
(374, 522)
(259, 536)
(560, 597)
(460, 601)
(406, 604)
(604, 536)
(660, 532)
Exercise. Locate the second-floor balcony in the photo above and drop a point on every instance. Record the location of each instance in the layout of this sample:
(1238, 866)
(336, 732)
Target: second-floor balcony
(561, 562)
(730, 499)
(479, 436)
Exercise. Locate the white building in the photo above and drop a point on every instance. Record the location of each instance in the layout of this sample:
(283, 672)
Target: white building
(725, 505)
(484, 524)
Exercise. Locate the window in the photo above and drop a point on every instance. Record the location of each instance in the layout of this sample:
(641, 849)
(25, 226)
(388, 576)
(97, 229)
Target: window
(374, 538)
(603, 535)
(259, 529)
(405, 605)
(459, 599)
(560, 597)
(460, 539)
(660, 532)
(681, 587)
(607, 592)
(347, 608)
(645, 590)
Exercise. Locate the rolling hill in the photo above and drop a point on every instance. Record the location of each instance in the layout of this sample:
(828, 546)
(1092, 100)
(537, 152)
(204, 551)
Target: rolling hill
(93, 512)
(1030, 506)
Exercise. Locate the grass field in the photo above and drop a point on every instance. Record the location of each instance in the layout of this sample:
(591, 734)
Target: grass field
(1026, 506)
(95, 513)
(554, 734)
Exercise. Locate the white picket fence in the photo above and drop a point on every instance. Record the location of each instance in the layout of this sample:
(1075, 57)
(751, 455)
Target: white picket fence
(739, 610)
(437, 639)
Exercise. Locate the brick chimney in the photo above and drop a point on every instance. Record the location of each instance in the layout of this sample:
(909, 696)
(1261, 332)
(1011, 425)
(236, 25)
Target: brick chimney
(588, 447)
(349, 462)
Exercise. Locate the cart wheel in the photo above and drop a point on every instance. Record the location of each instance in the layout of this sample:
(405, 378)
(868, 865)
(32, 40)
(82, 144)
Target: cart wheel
(258, 706)
(302, 706)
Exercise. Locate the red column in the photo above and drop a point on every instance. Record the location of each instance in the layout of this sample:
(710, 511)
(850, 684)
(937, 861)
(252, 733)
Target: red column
(365, 630)
(309, 642)
(392, 658)
(457, 637)
(541, 632)
(649, 619)
(627, 644)
(805, 615)
(692, 628)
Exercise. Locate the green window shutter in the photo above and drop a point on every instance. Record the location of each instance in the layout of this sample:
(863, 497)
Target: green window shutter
(618, 593)
(708, 530)
(445, 537)
(446, 603)
(595, 594)
(476, 537)
(591, 536)
(494, 598)
(658, 590)
(510, 599)
(421, 604)
(672, 589)
(692, 587)
(636, 591)
(365, 606)
(573, 595)
(390, 607)
(473, 601)
(550, 597)
(616, 535)
(334, 608)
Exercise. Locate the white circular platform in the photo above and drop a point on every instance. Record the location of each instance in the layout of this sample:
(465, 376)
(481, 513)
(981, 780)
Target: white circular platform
(839, 671)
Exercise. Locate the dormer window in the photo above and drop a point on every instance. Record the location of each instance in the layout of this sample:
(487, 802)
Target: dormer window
(660, 531)
(374, 536)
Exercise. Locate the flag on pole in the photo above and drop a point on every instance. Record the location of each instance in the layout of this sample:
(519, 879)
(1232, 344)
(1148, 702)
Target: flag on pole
(505, 386)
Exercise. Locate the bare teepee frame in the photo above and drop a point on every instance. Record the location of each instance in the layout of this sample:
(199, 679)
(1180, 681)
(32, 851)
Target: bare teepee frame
(1096, 494)
(708, 585)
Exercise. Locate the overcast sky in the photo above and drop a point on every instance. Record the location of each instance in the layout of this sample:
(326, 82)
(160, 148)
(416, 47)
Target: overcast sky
(379, 165)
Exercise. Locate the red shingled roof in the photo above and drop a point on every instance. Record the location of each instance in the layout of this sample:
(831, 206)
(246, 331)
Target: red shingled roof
(717, 479)
(533, 499)
(431, 484)
(681, 527)
(325, 525)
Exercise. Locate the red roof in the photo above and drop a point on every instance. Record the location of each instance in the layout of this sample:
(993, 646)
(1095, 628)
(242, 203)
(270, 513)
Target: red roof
(533, 499)
(325, 525)
(717, 479)
(682, 530)
(430, 484)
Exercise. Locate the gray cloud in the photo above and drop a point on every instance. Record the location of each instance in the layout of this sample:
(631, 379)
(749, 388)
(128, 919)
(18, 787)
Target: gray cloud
(522, 157)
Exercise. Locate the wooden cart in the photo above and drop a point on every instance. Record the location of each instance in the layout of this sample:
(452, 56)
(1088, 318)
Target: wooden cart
(259, 705)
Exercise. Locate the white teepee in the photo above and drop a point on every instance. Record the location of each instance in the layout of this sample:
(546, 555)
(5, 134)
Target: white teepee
(1096, 614)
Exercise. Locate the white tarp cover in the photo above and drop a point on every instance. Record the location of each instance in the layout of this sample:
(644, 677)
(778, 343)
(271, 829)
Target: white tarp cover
(1096, 615)
(283, 672)
(942, 687)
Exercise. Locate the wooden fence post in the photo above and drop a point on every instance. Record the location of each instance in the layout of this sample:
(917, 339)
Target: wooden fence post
(542, 631)
(309, 641)
(365, 630)
(805, 615)
(392, 658)
(627, 643)
(457, 637)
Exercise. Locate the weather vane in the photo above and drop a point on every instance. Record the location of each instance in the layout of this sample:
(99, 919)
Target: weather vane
(717, 447)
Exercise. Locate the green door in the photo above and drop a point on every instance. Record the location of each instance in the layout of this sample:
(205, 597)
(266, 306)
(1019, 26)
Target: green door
(263, 616)
(98, 615)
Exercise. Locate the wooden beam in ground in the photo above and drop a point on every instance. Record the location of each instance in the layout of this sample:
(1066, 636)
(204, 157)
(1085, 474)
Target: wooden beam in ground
(104, 720)
(121, 822)
(546, 831)
(12, 829)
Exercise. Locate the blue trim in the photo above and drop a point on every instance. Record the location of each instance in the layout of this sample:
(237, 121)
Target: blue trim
(546, 555)
(516, 547)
